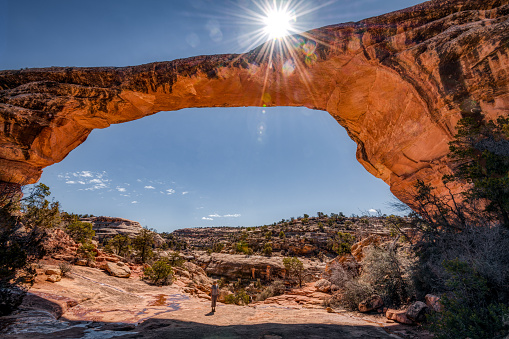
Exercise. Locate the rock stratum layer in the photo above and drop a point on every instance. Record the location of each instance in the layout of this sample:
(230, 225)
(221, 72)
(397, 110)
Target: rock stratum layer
(398, 83)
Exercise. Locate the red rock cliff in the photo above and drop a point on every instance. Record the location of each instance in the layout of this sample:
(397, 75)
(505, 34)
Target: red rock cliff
(398, 83)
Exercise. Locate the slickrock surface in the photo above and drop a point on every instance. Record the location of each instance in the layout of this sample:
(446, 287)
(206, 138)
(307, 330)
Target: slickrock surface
(91, 304)
(398, 83)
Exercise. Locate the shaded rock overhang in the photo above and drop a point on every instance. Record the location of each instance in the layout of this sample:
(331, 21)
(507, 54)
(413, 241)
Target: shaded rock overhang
(398, 83)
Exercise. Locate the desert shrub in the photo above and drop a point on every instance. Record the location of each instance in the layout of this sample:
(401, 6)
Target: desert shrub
(87, 251)
(355, 291)
(243, 247)
(295, 269)
(37, 210)
(21, 236)
(384, 273)
(341, 243)
(176, 260)
(468, 309)
(120, 244)
(281, 235)
(463, 238)
(80, 231)
(240, 297)
(217, 247)
(267, 249)
(160, 273)
(276, 288)
(483, 247)
(339, 275)
(65, 268)
(143, 244)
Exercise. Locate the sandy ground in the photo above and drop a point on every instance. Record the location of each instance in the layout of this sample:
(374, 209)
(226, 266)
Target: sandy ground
(93, 305)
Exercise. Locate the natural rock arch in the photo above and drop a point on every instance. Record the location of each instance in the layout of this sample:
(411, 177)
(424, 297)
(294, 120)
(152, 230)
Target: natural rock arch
(398, 83)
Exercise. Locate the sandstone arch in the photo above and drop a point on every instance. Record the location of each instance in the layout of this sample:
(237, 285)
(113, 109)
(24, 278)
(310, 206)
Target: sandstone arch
(398, 83)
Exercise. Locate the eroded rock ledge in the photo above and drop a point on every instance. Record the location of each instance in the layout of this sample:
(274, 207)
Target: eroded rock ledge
(398, 83)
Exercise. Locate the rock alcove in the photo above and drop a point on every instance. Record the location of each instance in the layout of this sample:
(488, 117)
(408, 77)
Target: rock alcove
(398, 83)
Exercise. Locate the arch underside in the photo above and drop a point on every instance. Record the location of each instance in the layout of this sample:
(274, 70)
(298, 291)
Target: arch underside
(398, 83)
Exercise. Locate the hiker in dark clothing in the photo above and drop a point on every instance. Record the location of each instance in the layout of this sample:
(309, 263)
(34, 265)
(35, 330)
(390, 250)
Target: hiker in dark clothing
(214, 293)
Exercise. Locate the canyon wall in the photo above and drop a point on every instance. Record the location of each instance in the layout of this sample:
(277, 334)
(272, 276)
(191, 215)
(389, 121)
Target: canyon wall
(398, 83)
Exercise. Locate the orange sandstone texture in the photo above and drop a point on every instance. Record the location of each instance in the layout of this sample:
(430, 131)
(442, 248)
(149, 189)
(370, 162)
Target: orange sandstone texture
(398, 83)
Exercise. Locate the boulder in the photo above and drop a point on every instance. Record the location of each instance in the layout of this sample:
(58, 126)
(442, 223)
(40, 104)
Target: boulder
(417, 311)
(433, 302)
(399, 316)
(323, 285)
(118, 269)
(53, 271)
(54, 278)
(81, 262)
(370, 304)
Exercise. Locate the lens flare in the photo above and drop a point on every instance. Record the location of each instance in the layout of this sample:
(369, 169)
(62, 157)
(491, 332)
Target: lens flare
(278, 23)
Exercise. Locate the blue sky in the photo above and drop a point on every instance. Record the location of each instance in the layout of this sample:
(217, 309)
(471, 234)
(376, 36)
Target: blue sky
(194, 167)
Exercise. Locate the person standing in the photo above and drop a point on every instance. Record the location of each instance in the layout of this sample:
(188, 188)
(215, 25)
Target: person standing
(214, 293)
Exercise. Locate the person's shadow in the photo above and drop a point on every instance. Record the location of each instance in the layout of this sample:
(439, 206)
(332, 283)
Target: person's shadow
(209, 314)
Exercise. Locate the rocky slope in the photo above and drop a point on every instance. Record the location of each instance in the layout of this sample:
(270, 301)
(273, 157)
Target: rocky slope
(398, 83)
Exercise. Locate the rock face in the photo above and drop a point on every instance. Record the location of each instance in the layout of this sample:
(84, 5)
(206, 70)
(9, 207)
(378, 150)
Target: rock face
(110, 227)
(398, 83)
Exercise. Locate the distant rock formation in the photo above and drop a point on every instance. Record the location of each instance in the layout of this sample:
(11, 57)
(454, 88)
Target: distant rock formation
(398, 83)
(108, 227)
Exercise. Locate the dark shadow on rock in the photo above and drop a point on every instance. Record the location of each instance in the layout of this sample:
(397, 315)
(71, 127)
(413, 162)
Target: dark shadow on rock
(209, 314)
(175, 329)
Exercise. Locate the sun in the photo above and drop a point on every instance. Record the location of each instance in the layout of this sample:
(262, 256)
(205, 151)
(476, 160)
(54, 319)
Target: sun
(278, 23)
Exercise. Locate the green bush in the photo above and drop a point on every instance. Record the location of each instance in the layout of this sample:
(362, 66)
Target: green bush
(243, 247)
(80, 231)
(267, 249)
(240, 297)
(121, 244)
(160, 273)
(468, 309)
(295, 268)
(342, 243)
(87, 251)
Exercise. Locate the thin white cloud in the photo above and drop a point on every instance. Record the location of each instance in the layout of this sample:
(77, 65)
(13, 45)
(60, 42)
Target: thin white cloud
(96, 187)
(70, 182)
(206, 218)
(85, 174)
(134, 202)
(138, 180)
(121, 189)
(150, 187)
(231, 215)
(184, 193)
(372, 210)
(215, 215)
(81, 182)
(95, 181)
(170, 191)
